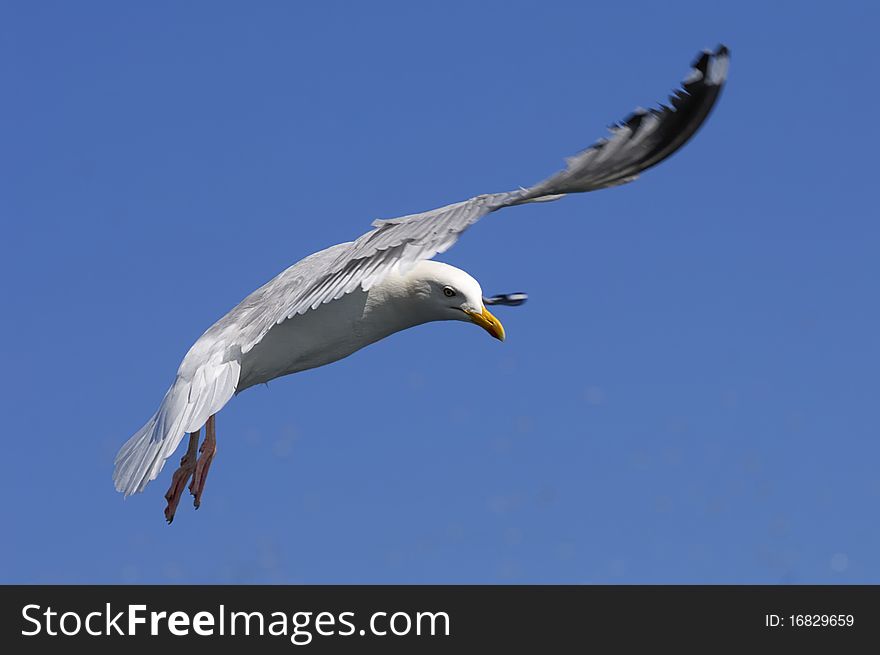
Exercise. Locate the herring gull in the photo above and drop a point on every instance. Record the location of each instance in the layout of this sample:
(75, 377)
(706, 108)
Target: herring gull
(338, 300)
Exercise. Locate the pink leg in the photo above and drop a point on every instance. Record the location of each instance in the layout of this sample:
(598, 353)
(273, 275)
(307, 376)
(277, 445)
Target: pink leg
(209, 447)
(181, 476)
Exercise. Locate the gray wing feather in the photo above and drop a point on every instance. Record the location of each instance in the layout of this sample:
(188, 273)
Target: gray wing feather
(640, 141)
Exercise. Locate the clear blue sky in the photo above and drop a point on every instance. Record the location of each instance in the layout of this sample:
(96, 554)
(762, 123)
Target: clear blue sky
(690, 394)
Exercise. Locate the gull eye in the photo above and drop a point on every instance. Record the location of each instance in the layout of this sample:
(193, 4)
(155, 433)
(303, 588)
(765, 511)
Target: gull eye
(448, 292)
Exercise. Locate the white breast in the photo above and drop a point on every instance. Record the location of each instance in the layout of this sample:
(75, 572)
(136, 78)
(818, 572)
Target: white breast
(326, 334)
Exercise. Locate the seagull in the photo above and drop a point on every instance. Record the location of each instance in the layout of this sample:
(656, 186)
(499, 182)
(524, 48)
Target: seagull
(336, 301)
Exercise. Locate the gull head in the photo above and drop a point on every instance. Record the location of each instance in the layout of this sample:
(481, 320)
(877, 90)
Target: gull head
(446, 293)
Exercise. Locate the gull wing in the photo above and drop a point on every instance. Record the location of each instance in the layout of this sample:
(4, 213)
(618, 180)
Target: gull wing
(640, 141)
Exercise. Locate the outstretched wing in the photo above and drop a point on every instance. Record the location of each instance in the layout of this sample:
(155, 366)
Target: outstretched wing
(640, 141)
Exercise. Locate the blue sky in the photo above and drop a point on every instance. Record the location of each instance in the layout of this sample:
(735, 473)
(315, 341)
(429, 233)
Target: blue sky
(689, 396)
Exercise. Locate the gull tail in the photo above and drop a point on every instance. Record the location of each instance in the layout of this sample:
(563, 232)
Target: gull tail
(185, 408)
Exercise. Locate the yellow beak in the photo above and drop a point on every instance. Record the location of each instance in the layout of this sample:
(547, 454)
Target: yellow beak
(488, 322)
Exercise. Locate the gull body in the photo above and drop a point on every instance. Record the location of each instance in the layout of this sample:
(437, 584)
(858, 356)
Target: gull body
(340, 328)
(334, 302)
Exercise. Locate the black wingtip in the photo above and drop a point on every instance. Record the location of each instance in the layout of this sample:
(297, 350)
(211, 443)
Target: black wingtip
(648, 136)
(704, 57)
(718, 65)
(509, 299)
(709, 68)
(701, 63)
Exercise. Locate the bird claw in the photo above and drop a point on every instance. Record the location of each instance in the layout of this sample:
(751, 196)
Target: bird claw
(181, 476)
(203, 465)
